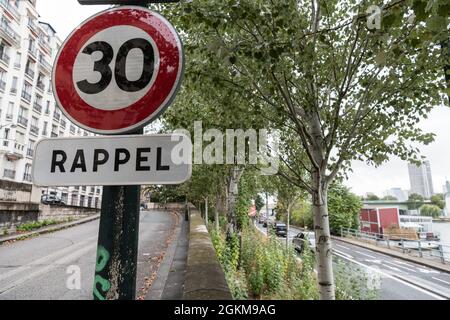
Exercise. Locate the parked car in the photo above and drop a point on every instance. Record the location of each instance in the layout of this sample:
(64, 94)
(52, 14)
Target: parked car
(280, 229)
(302, 237)
(262, 219)
(52, 199)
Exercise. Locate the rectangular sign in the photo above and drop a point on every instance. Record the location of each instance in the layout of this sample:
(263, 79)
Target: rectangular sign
(114, 160)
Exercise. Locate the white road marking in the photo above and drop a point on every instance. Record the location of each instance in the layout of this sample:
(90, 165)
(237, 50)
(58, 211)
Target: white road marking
(342, 253)
(338, 245)
(394, 278)
(441, 280)
(427, 271)
(396, 265)
(405, 263)
(365, 254)
(47, 259)
(392, 268)
(64, 260)
(376, 261)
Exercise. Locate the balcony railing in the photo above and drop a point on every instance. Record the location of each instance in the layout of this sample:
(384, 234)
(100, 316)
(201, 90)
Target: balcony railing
(13, 90)
(54, 135)
(45, 65)
(26, 96)
(32, 24)
(40, 85)
(22, 120)
(63, 123)
(2, 85)
(37, 106)
(34, 129)
(29, 73)
(32, 50)
(8, 32)
(10, 8)
(30, 152)
(7, 173)
(27, 177)
(5, 58)
(56, 116)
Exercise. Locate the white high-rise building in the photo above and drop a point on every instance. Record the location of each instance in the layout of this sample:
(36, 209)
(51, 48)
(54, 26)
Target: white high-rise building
(28, 111)
(420, 179)
(401, 195)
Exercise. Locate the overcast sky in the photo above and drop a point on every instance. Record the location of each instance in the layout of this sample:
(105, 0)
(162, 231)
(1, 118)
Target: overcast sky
(65, 15)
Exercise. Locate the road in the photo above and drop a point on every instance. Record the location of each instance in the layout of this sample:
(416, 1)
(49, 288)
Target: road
(396, 279)
(37, 268)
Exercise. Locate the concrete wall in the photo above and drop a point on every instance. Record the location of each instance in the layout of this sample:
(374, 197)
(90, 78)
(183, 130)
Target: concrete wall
(55, 212)
(20, 192)
(13, 214)
(205, 279)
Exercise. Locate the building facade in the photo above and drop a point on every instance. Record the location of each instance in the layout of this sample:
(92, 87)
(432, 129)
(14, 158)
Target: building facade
(420, 179)
(401, 195)
(28, 111)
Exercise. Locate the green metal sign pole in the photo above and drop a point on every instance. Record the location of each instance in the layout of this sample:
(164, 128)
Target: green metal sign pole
(116, 263)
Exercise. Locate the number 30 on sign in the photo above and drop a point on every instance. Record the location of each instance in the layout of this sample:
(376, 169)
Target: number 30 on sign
(119, 70)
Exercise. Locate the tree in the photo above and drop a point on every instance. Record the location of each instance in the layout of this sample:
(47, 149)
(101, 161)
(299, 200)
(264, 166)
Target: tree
(389, 198)
(415, 201)
(430, 210)
(259, 202)
(438, 200)
(372, 197)
(343, 207)
(345, 90)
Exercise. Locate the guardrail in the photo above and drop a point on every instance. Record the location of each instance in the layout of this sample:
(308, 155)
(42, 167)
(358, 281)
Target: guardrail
(433, 250)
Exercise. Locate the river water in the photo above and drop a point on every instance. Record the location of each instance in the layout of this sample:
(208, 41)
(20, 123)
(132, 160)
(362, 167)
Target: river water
(443, 228)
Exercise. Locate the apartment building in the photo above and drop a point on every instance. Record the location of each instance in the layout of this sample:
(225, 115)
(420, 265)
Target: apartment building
(420, 179)
(28, 111)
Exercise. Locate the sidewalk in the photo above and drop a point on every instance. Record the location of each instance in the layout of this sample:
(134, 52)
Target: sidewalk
(425, 262)
(21, 236)
(169, 282)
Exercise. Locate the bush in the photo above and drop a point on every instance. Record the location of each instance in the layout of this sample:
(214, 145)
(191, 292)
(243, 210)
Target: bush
(29, 226)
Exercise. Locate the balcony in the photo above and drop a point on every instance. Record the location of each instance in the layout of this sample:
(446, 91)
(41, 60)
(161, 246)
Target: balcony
(34, 130)
(45, 66)
(54, 135)
(2, 85)
(13, 91)
(32, 50)
(26, 96)
(56, 116)
(9, 34)
(63, 123)
(27, 177)
(32, 25)
(44, 44)
(30, 153)
(22, 120)
(37, 107)
(40, 85)
(29, 72)
(8, 6)
(5, 58)
(9, 174)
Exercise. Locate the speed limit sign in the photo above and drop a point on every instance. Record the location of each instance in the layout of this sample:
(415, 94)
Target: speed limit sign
(118, 70)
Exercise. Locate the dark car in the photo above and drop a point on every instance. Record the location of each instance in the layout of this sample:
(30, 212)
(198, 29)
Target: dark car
(51, 199)
(280, 229)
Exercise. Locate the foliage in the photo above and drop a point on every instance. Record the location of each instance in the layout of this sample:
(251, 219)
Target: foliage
(354, 282)
(430, 210)
(438, 200)
(389, 198)
(259, 202)
(372, 197)
(302, 215)
(416, 200)
(29, 226)
(343, 207)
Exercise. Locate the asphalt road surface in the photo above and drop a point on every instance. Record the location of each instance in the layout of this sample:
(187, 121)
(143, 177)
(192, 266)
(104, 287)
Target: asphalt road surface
(40, 268)
(395, 279)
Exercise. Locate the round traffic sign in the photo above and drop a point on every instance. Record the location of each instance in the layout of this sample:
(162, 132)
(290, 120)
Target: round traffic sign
(118, 70)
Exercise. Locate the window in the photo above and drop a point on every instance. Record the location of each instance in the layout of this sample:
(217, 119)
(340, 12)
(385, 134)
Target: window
(14, 85)
(47, 108)
(44, 131)
(18, 61)
(9, 112)
(23, 116)
(2, 80)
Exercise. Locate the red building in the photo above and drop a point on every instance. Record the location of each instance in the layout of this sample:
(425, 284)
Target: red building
(375, 220)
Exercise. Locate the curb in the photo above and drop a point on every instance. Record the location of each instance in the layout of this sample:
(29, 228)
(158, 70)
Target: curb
(394, 254)
(24, 236)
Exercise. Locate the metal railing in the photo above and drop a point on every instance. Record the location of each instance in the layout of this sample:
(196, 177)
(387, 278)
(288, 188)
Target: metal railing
(26, 96)
(433, 250)
(5, 58)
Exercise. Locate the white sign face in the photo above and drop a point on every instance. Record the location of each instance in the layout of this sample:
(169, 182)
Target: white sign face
(117, 160)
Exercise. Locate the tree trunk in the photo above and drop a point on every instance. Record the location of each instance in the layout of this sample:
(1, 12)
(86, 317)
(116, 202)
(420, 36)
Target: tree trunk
(233, 192)
(206, 211)
(323, 241)
(216, 212)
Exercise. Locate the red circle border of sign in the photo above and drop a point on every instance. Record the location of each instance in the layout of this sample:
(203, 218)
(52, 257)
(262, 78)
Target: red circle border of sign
(146, 109)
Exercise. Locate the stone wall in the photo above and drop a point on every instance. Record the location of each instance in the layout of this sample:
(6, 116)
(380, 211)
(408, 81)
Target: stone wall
(56, 212)
(205, 279)
(20, 192)
(15, 213)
